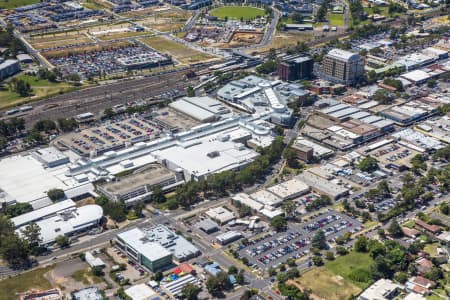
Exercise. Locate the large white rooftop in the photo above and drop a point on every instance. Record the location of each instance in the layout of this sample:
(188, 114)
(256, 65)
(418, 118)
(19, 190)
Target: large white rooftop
(42, 213)
(68, 222)
(27, 180)
(289, 189)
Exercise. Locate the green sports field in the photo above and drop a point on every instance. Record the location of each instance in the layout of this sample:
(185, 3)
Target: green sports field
(237, 12)
(10, 4)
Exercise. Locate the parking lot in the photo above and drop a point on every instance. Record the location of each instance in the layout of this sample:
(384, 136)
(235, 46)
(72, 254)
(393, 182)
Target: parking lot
(272, 248)
(394, 154)
(112, 135)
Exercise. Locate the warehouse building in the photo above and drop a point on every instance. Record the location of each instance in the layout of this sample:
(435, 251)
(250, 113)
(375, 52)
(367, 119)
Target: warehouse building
(154, 247)
(139, 186)
(50, 157)
(69, 222)
(8, 68)
(343, 67)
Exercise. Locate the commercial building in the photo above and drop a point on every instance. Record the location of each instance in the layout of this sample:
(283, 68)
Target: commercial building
(19, 174)
(50, 157)
(228, 237)
(302, 146)
(292, 68)
(220, 215)
(203, 157)
(8, 68)
(42, 213)
(199, 152)
(154, 247)
(383, 289)
(323, 186)
(68, 222)
(342, 67)
(208, 226)
(203, 109)
(257, 95)
(266, 198)
(289, 189)
(141, 292)
(410, 112)
(139, 186)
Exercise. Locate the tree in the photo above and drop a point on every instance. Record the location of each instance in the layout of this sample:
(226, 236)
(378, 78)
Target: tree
(213, 285)
(297, 17)
(45, 125)
(32, 233)
(190, 92)
(431, 83)
(267, 67)
(157, 194)
(67, 125)
(240, 278)
(321, 13)
(361, 244)
(97, 271)
(20, 87)
(418, 163)
(108, 113)
(444, 208)
(62, 241)
(341, 250)
(232, 270)
(368, 164)
(329, 255)
(158, 276)
(383, 96)
(17, 209)
(291, 158)
(317, 260)
(56, 194)
(395, 229)
(319, 240)
(289, 208)
(15, 250)
(278, 223)
(190, 291)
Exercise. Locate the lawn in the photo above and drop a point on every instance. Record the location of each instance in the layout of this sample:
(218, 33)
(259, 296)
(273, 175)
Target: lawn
(33, 279)
(237, 12)
(336, 19)
(431, 249)
(183, 54)
(41, 89)
(409, 224)
(353, 267)
(381, 10)
(10, 4)
(327, 285)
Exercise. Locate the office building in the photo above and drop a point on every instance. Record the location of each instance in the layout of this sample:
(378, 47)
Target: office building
(294, 68)
(154, 247)
(342, 66)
